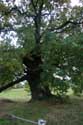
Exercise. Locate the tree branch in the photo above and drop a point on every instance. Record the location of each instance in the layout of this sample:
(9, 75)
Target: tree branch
(61, 28)
(21, 13)
(34, 6)
(36, 3)
(8, 85)
(41, 6)
(6, 29)
(65, 24)
(17, 9)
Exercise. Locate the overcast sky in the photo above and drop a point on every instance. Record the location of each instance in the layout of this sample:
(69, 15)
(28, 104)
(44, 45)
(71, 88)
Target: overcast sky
(73, 2)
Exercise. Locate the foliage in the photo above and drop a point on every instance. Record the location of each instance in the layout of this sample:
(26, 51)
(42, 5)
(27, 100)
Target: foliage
(63, 62)
(10, 63)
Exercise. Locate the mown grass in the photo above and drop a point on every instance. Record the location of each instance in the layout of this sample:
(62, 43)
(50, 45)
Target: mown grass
(70, 113)
(15, 94)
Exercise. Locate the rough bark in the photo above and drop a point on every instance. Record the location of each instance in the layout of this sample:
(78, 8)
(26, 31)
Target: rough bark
(33, 70)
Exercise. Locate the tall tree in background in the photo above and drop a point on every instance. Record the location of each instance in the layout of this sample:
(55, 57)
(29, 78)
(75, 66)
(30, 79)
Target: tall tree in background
(45, 43)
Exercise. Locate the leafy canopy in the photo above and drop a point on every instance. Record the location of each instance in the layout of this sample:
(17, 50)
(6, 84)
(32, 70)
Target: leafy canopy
(55, 28)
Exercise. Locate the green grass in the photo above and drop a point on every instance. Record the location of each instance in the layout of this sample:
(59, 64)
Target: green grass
(4, 122)
(59, 114)
(15, 94)
(56, 114)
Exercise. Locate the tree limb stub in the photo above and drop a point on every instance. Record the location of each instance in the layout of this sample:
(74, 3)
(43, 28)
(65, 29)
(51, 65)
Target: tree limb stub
(8, 85)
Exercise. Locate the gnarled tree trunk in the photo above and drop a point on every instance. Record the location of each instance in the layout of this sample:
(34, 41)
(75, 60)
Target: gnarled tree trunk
(33, 70)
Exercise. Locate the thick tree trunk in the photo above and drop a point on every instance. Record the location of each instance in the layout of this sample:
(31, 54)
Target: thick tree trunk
(38, 91)
(34, 61)
(33, 69)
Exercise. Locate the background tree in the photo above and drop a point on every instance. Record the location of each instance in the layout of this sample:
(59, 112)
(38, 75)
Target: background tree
(47, 46)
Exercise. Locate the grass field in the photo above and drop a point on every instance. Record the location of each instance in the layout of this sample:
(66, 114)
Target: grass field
(56, 114)
(15, 94)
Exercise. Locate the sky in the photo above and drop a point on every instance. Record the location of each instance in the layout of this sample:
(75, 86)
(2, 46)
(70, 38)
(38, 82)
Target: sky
(73, 2)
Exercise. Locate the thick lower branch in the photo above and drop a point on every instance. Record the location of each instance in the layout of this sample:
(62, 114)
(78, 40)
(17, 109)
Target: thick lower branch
(8, 85)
